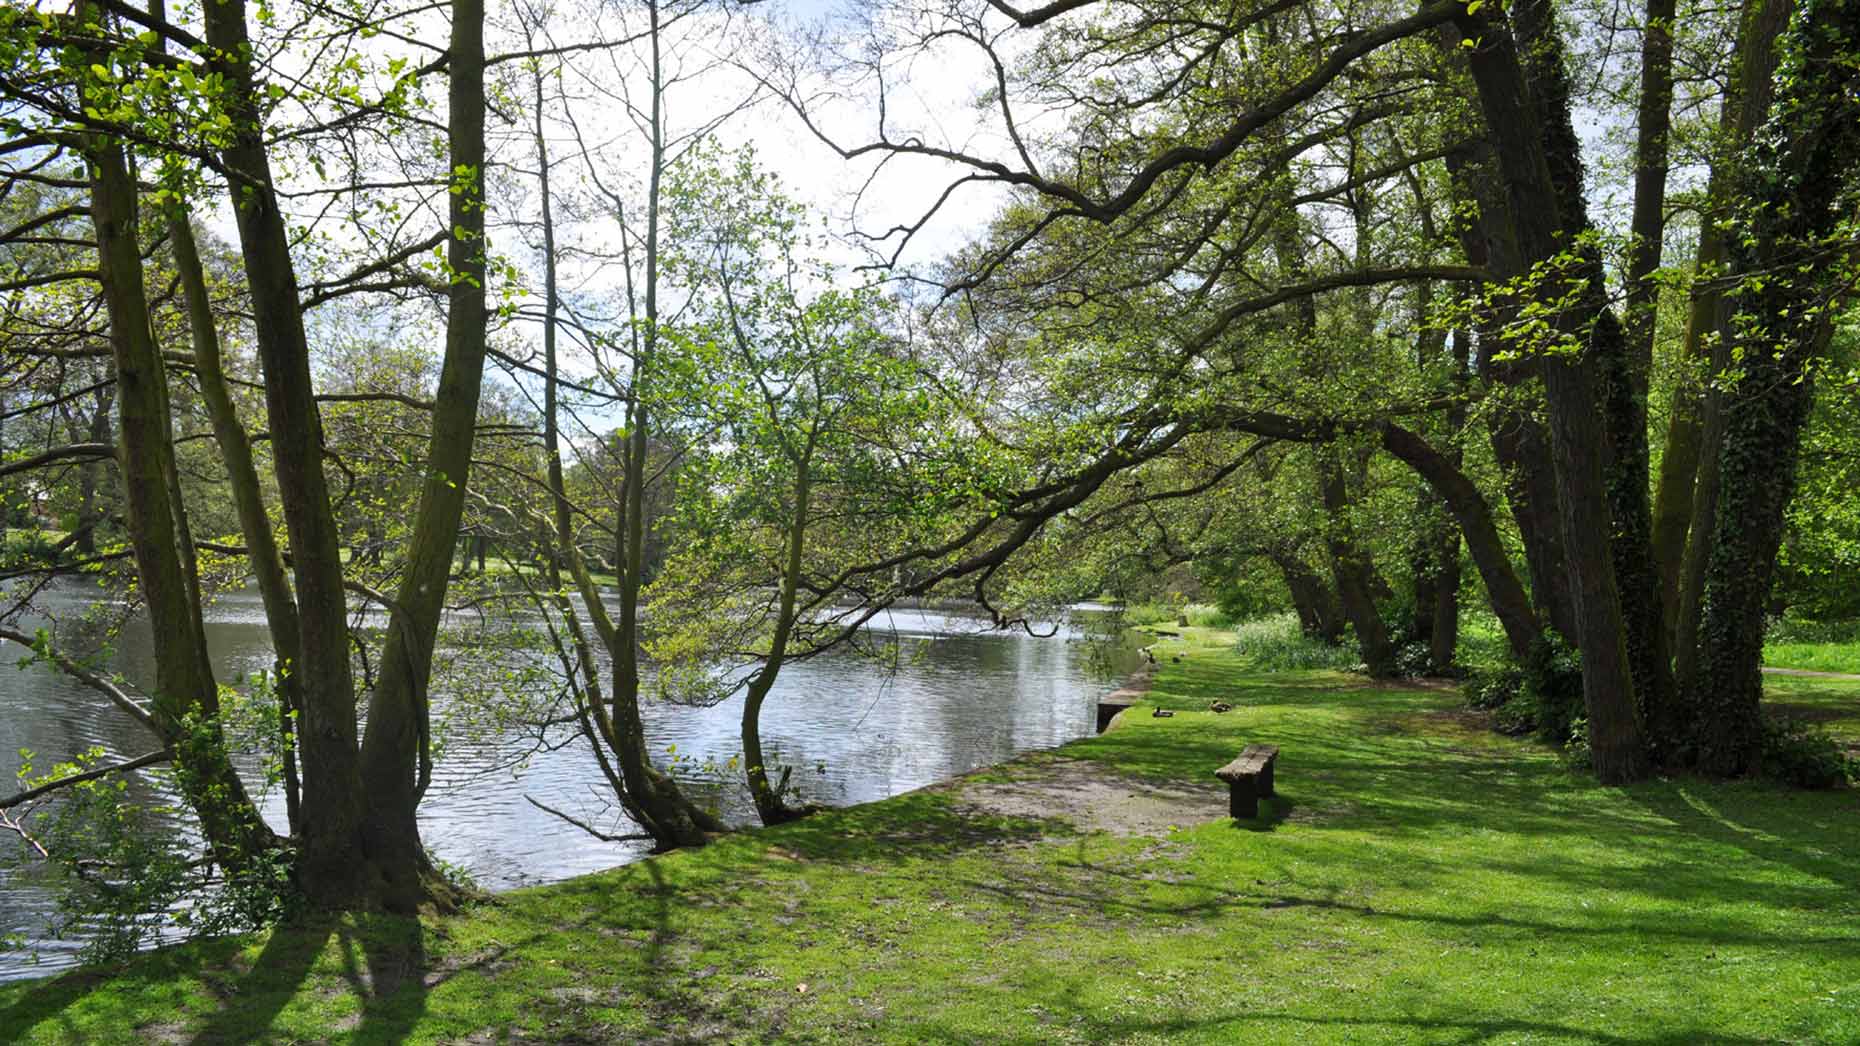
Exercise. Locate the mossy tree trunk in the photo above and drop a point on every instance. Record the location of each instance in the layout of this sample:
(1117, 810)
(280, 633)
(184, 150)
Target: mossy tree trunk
(1794, 265)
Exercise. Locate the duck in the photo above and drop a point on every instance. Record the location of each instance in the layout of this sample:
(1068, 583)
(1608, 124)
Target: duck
(1161, 713)
(1218, 707)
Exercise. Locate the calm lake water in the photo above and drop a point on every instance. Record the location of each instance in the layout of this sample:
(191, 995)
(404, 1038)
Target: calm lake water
(853, 729)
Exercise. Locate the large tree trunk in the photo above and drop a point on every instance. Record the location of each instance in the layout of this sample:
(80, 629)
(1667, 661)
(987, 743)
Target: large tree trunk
(397, 747)
(1351, 567)
(1649, 637)
(1807, 158)
(1579, 448)
(1519, 441)
(1312, 598)
(1685, 503)
(334, 869)
(186, 695)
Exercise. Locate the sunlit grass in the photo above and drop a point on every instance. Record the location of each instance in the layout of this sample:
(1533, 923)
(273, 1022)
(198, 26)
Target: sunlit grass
(1420, 879)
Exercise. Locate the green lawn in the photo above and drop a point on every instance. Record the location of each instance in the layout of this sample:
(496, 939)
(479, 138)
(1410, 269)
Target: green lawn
(1816, 657)
(1833, 704)
(1419, 880)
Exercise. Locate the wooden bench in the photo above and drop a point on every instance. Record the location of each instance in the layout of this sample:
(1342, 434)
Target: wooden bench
(1248, 778)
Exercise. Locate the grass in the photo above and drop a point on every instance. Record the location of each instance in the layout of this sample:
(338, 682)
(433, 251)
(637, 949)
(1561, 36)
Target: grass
(1815, 657)
(1833, 704)
(1418, 880)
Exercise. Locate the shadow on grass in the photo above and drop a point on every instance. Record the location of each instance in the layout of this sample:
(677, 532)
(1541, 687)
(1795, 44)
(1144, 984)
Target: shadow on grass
(51, 1000)
(380, 959)
(1274, 811)
(1254, 1025)
(922, 826)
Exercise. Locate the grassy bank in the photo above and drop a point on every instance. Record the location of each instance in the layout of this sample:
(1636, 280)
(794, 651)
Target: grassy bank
(1420, 880)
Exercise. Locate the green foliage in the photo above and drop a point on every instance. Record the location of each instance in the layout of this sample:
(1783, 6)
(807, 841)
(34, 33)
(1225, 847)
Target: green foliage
(1800, 754)
(1576, 749)
(1138, 615)
(1543, 697)
(1816, 646)
(1413, 660)
(124, 873)
(1201, 615)
(1553, 685)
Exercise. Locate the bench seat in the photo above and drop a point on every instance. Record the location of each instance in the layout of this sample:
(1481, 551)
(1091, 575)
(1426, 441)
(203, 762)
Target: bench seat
(1249, 778)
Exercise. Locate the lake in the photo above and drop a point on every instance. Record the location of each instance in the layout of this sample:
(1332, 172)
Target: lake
(854, 730)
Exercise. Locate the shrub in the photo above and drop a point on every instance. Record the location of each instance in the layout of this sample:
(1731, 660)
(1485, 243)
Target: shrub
(1543, 696)
(125, 874)
(1793, 629)
(1414, 659)
(1576, 750)
(1805, 756)
(1553, 685)
(1493, 689)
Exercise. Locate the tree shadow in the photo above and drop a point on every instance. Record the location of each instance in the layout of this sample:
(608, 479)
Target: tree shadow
(924, 826)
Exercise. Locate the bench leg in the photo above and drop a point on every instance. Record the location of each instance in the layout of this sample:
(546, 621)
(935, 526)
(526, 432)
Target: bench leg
(1265, 781)
(1242, 800)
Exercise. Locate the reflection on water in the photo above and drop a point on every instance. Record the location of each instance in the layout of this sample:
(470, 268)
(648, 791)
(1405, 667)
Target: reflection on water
(853, 729)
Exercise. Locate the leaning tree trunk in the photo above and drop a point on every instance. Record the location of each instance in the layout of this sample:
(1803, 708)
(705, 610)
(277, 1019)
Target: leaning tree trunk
(1520, 443)
(1509, 601)
(248, 501)
(1795, 267)
(333, 866)
(397, 747)
(768, 798)
(186, 695)
(1312, 598)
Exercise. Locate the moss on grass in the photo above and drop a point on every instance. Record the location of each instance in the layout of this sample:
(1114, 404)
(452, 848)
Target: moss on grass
(1419, 880)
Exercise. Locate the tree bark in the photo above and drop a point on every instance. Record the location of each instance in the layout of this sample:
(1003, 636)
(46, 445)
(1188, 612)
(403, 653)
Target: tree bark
(1806, 159)
(248, 499)
(1520, 443)
(1350, 567)
(1474, 515)
(397, 746)
(186, 695)
(1524, 147)
(1312, 598)
(1685, 504)
(333, 866)
(769, 804)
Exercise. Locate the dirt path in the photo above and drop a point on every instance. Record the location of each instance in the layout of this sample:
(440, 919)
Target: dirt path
(1092, 797)
(1812, 674)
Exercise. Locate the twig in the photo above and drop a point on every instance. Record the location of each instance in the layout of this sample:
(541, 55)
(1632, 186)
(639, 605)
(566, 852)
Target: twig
(14, 826)
(588, 828)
